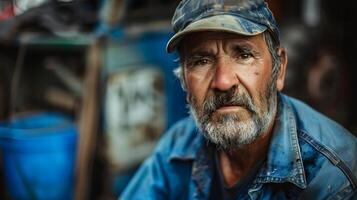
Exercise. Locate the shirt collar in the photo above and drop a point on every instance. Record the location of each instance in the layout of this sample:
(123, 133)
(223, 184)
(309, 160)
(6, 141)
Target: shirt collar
(284, 162)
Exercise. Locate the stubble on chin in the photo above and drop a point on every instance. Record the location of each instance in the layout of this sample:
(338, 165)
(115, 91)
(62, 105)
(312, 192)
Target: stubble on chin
(230, 130)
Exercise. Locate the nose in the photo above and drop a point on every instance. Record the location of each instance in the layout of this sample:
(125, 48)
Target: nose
(224, 77)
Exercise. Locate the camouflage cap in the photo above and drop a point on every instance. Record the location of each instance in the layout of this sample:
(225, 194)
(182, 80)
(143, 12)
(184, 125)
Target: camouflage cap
(245, 17)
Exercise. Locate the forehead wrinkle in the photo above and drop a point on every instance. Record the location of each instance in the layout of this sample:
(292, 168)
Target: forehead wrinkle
(209, 47)
(198, 42)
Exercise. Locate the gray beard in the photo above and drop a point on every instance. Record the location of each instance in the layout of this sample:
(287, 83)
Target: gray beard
(228, 131)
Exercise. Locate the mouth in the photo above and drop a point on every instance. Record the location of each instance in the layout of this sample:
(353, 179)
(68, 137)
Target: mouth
(229, 108)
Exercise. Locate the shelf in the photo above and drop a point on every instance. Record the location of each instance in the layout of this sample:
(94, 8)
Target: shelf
(35, 39)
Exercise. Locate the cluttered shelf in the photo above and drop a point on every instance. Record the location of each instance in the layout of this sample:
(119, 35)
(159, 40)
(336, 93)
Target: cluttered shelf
(49, 40)
(77, 87)
(51, 90)
(43, 90)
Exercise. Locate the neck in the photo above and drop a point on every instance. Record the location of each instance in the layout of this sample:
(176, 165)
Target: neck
(238, 163)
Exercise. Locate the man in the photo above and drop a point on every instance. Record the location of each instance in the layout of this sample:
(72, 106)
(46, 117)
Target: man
(245, 140)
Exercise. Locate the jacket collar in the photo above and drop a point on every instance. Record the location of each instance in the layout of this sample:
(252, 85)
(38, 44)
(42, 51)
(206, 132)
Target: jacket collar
(284, 162)
(188, 143)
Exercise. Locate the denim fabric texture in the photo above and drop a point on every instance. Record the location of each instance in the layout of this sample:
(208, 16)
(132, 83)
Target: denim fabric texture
(310, 157)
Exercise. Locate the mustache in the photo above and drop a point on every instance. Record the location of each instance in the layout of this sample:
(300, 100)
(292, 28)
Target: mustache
(228, 98)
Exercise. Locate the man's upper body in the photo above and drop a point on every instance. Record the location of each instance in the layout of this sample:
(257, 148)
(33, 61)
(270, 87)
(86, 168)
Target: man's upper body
(245, 140)
(309, 157)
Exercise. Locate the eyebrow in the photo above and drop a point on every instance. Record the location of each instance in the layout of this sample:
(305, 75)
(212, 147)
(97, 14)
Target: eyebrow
(244, 47)
(241, 46)
(199, 54)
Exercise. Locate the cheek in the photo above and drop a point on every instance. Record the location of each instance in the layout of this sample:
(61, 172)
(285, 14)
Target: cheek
(197, 86)
(256, 84)
(264, 94)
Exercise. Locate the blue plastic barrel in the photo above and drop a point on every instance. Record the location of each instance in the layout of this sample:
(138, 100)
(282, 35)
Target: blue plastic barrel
(38, 153)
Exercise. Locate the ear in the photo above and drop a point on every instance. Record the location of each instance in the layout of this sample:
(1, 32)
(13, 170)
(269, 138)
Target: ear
(282, 68)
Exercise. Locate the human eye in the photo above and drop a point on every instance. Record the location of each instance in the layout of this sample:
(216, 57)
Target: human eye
(245, 56)
(199, 61)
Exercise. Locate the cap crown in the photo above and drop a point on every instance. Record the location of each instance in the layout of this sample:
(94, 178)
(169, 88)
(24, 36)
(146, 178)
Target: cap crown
(256, 11)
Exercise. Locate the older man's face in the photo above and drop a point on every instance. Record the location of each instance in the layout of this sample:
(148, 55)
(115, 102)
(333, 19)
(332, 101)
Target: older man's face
(230, 90)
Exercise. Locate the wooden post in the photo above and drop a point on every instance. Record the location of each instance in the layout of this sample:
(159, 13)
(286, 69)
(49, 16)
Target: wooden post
(88, 123)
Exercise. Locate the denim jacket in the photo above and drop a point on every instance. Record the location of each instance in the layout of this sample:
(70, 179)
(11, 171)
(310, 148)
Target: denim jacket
(310, 157)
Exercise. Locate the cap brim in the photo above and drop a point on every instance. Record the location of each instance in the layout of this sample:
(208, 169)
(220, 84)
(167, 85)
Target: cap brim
(223, 23)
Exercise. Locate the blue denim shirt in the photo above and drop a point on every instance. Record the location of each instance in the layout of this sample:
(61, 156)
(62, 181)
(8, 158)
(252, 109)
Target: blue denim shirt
(310, 157)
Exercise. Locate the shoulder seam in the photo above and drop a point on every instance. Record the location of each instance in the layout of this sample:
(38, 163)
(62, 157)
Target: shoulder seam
(331, 155)
(345, 192)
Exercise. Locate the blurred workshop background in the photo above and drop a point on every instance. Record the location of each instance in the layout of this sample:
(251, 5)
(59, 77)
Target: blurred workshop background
(87, 89)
